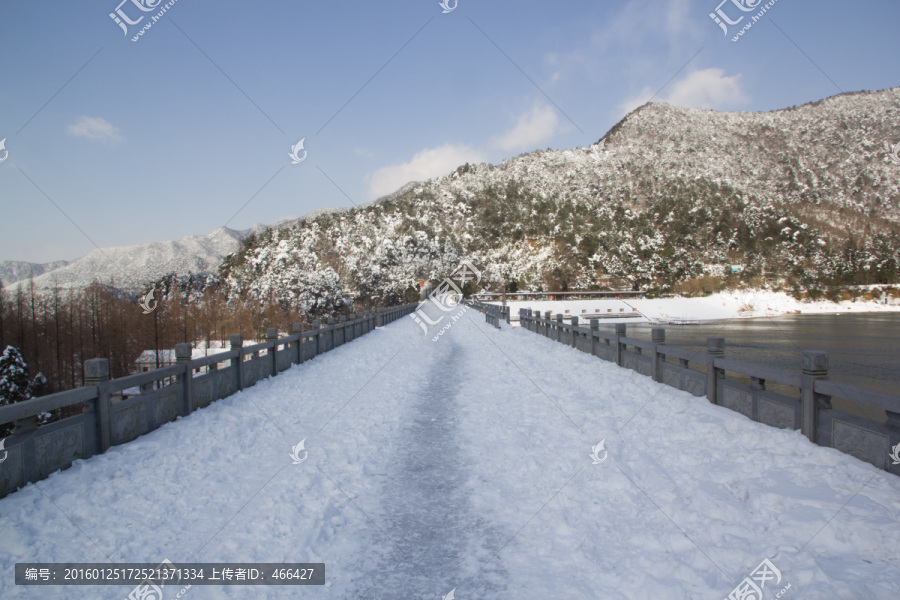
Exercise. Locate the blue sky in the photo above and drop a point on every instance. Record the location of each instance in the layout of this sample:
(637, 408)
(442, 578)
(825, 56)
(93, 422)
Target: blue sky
(116, 142)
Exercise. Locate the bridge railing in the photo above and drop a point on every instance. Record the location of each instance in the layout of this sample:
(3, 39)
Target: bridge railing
(493, 313)
(115, 411)
(807, 400)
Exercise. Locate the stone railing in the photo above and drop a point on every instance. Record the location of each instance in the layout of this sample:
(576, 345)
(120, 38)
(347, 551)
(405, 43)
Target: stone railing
(112, 416)
(706, 374)
(493, 313)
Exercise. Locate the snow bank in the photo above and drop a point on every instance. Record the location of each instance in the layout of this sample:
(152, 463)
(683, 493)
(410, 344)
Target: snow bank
(718, 306)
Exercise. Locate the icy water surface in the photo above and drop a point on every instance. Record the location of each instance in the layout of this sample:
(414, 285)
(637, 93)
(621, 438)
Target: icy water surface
(863, 349)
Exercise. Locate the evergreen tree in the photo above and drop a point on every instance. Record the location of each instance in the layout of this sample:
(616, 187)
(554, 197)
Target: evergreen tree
(14, 383)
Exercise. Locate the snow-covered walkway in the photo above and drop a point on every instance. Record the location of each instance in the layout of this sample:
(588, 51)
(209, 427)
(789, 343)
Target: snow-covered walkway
(464, 464)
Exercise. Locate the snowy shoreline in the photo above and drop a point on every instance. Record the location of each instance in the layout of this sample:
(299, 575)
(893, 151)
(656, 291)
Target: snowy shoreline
(744, 304)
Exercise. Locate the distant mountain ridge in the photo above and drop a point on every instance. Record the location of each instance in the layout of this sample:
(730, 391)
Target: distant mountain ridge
(806, 195)
(12, 271)
(133, 268)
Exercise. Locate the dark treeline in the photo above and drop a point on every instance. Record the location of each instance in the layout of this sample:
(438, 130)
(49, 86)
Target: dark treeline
(56, 330)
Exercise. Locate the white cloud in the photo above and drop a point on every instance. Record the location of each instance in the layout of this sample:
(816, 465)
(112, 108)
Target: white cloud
(95, 128)
(706, 88)
(637, 22)
(532, 128)
(426, 164)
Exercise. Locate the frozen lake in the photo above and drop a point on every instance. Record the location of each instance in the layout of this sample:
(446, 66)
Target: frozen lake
(863, 349)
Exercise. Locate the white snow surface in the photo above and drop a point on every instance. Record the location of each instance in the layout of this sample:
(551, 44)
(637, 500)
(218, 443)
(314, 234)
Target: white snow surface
(463, 464)
(721, 305)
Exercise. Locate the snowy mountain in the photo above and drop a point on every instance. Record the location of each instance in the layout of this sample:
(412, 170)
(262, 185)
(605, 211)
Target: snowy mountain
(807, 196)
(12, 271)
(131, 268)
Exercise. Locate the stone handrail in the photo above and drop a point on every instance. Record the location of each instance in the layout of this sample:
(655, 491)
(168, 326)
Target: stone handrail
(811, 411)
(109, 417)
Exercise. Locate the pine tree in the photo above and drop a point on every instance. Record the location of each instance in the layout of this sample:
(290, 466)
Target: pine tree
(14, 383)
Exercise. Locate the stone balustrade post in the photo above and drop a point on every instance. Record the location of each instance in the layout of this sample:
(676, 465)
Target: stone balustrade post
(96, 373)
(297, 329)
(237, 363)
(595, 328)
(316, 326)
(272, 336)
(331, 329)
(815, 366)
(559, 323)
(574, 337)
(715, 348)
(185, 379)
(658, 337)
(620, 333)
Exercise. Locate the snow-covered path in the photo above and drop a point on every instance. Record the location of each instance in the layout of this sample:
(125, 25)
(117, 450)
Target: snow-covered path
(464, 464)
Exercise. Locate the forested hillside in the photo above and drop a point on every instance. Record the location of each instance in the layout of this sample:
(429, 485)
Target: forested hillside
(805, 197)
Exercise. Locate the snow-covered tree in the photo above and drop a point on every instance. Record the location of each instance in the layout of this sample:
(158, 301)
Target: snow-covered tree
(15, 385)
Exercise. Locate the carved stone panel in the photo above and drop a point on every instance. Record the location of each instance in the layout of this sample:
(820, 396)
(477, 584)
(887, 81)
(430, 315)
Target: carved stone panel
(129, 423)
(642, 365)
(864, 444)
(12, 470)
(777, 414)
(165, 408)
(695, 383)
(224, 384)
(671, 375)
(738, 400)
(202, 392)
(57, 450)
